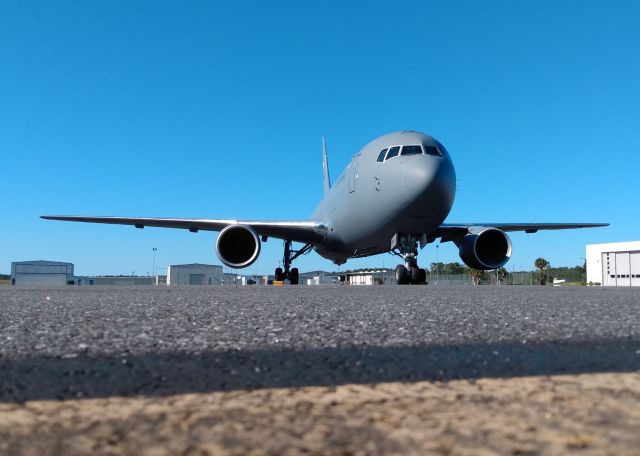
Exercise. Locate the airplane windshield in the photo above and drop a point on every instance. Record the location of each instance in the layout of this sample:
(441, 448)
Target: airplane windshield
(411, 150)
(432, 150)
(393, 152)
(382, 154)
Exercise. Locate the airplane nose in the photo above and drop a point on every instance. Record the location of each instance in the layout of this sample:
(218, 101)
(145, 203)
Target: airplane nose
(430, 182)
(418, 176)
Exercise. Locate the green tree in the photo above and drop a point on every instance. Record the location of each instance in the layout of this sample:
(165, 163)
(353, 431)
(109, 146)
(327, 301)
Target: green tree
(501, 275)
(476, 275)
(455, 268)
(542, 270)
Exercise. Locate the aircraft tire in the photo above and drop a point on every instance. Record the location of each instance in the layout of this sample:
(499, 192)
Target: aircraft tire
(418, 276)
(423, 276)
(402, 275)
(278, 276)
(294, 276)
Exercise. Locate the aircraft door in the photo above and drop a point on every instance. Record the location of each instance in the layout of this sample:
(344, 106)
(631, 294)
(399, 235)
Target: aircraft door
(353, 174)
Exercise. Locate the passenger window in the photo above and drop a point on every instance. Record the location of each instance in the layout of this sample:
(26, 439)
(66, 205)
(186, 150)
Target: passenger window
(393, 152)
(382, 154)
(411, 150)
(432, 150)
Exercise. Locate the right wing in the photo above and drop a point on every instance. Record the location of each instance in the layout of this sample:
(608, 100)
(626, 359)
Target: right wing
(449, 231)
(304, 231)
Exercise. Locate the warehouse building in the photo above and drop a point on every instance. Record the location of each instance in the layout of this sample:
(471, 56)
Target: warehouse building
(194, 274)
(614, 264)
(119, 280)
(41, 273)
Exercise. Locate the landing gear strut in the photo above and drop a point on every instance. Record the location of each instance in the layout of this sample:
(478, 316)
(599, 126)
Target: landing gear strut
(406, 247)
(290, 255)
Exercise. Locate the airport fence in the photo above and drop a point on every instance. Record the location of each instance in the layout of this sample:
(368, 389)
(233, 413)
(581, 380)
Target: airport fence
(489, 278)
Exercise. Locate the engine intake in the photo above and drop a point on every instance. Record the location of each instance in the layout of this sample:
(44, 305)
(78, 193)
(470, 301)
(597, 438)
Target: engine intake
(485, 248)
(238, 246)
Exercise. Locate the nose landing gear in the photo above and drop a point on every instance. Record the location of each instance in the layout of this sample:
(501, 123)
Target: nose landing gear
(289, 255)
(406, 247)
(410, 273)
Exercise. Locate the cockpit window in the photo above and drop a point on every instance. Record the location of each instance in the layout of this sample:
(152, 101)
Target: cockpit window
(393, 152)
(382, 154)
(432, 150)
(411, 150)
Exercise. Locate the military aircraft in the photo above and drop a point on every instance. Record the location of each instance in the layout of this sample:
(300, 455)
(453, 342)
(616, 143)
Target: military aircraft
(392, 197)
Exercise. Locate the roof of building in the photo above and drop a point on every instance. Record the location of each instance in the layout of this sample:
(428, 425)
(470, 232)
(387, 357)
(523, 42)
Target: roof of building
(318, 273)
(196, 265)
(614, 246)
(41, 262)
(382, 271)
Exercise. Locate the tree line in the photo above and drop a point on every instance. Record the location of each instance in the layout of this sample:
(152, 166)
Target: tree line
(542, 274)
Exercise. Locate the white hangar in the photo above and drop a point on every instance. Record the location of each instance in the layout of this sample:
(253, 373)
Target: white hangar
(615, 264)
(41, 273)
(194, 274)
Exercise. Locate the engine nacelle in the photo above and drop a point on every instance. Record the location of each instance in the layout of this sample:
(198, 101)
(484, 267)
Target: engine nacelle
(238, 246)
(485, 248)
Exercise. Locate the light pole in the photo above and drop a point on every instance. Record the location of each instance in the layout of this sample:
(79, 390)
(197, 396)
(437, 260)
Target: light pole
(437, 265)
(153, 271)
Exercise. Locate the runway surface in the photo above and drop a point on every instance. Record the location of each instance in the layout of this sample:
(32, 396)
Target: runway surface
(172, 344)
(98, 342)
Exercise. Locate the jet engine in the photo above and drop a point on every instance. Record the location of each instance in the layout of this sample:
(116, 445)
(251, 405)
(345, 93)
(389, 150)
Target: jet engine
(238, 246)
(485, 248)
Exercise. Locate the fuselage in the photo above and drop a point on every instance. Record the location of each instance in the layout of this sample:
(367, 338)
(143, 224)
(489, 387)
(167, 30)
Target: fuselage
(408, 189)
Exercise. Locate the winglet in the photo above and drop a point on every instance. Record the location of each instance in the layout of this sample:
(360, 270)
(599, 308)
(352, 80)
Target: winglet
(325, 166)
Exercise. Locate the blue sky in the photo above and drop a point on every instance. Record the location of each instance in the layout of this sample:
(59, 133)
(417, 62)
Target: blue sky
(216, 109)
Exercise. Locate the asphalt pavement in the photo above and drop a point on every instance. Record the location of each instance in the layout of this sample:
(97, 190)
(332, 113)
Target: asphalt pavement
(93, 342)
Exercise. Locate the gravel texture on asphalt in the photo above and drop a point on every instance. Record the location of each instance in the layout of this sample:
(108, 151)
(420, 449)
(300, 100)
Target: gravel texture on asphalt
(93, 342)
(319, 370)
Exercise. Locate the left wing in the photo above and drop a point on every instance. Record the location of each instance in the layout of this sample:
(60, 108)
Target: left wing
(305, 231)
(449, 231)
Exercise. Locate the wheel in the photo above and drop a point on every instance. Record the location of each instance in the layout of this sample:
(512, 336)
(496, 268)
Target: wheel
(278, 276)
(423, 276)
(402, 275)
(415, 275)
(418, 275)
(293, 276)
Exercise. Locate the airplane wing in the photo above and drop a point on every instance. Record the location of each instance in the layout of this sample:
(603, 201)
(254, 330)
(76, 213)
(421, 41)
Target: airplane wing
(305, 231)
(448, 231)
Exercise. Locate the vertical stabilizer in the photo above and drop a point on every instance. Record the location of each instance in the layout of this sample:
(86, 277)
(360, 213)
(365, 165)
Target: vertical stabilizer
(325, 166)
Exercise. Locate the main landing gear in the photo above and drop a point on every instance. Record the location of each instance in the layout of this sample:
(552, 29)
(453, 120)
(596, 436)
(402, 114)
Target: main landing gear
(406, 247)
(289, 255)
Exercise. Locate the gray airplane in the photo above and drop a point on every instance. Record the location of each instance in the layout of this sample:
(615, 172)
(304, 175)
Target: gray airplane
(393, 197)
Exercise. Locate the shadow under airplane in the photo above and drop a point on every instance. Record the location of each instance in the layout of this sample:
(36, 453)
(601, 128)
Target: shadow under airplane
(169, 373)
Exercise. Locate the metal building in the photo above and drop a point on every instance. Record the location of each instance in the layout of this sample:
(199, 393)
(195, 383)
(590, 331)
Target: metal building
(194, 274)
(614, 264)
(119, 280)
(40, 272)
